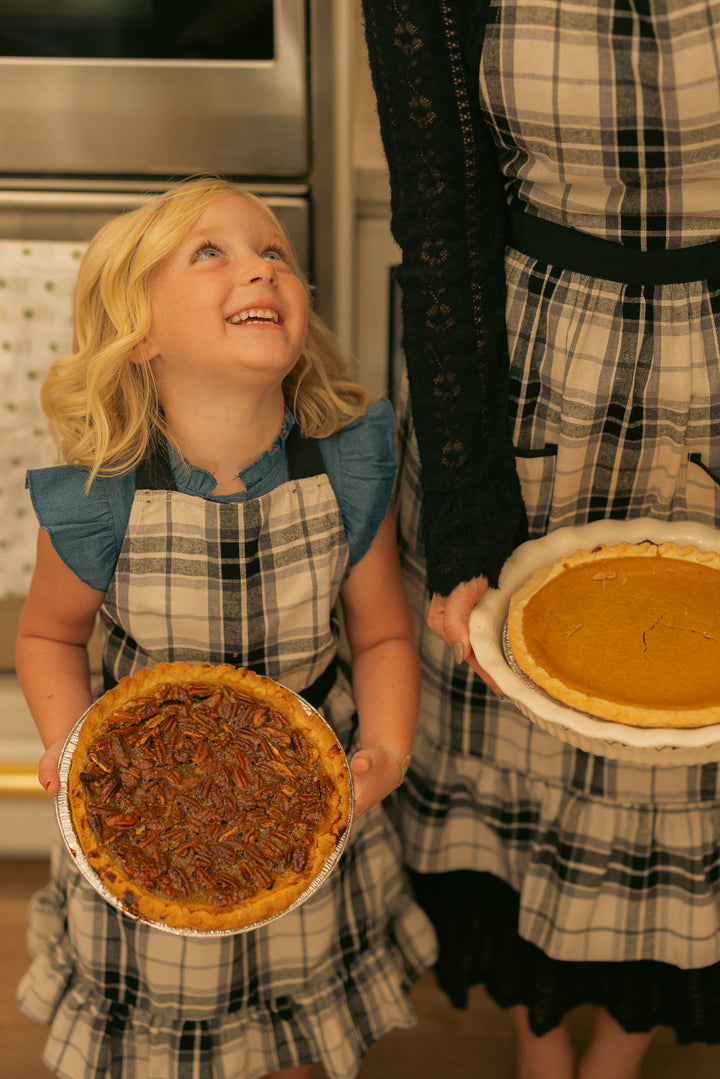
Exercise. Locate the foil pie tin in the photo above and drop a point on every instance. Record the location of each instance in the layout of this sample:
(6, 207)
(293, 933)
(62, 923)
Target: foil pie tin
(67, 830)
(618, 741)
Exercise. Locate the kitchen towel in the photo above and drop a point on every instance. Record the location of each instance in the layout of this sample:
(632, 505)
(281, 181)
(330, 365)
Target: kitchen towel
(36, 286)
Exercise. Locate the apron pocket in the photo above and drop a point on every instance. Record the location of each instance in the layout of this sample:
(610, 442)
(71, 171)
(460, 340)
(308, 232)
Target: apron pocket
(536, 469)
(702, 493)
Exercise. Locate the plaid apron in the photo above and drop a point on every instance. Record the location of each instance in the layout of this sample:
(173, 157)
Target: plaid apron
(615, 401)
(249, 583)
(612, 861)
(130, 1002)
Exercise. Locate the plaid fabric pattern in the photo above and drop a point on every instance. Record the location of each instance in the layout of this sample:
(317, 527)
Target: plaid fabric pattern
(615, 395)
(320, 985)
(323, 983)
(611, 861)
(614, 391)
(585, 142)
(216, 582)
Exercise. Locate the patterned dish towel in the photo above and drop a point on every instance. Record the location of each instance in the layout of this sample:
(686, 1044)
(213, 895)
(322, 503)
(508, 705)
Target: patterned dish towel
(36, 285)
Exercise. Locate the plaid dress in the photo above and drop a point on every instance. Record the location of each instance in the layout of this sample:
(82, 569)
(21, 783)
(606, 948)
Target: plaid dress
(320, 985)
(615, 403)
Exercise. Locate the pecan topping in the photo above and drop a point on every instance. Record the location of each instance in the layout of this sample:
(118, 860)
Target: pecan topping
(202, 795)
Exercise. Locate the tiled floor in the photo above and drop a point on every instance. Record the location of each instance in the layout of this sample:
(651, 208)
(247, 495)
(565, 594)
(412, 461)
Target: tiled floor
(446, 1044)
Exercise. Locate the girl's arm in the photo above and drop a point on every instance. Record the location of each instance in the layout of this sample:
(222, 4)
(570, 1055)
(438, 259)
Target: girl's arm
(385, 668)
(51, 656)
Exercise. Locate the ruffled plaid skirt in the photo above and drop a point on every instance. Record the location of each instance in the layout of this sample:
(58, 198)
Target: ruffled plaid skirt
(615, 400)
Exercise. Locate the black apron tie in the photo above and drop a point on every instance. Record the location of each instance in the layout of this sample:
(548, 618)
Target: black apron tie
(569, 249)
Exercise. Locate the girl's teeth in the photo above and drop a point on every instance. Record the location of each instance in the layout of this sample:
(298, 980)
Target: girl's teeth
(259, 313)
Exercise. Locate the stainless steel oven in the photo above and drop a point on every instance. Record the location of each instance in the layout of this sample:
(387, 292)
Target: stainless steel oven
(103, 102)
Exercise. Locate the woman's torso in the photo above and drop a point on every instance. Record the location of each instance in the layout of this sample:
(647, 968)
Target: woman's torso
(606, 114)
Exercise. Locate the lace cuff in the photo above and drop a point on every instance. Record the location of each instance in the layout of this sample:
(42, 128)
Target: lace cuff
(470, 533)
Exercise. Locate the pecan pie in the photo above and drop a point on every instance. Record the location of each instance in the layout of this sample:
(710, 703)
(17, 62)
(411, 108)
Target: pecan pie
(206, 797)
(629, 633)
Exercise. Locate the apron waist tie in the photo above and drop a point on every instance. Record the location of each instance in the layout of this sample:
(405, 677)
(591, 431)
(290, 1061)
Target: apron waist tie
(316, 693)
(570, 249)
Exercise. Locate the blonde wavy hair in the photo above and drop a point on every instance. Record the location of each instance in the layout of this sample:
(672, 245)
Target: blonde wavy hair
(102, 407)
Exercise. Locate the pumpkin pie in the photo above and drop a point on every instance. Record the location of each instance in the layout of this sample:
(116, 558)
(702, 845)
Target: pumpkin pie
(629, 633)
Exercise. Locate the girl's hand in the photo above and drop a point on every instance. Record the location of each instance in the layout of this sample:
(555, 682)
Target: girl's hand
(376, 772)
(449, 618)
(48, 768)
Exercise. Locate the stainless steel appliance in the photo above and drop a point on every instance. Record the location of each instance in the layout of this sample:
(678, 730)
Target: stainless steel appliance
(103, 102)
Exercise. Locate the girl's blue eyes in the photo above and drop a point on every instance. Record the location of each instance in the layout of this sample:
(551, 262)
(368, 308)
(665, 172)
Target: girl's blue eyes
(211, 251)
(206, 251)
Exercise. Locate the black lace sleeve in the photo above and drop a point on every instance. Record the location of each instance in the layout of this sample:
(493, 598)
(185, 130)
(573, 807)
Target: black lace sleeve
(448, 219)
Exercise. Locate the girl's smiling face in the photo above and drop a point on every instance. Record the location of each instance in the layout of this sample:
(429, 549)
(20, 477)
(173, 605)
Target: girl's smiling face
(227, 301)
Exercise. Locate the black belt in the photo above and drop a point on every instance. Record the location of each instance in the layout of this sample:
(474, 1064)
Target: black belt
(569, 249)
(315, 694)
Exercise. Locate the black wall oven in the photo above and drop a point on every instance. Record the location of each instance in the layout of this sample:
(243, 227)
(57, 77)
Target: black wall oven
(103, 102)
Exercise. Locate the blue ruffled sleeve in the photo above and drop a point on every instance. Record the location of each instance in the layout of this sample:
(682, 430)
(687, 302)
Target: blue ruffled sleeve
(361, 465)
(86, 528)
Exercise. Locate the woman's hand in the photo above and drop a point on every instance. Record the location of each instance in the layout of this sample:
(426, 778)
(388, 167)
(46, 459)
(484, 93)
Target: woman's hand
(376, 772)
(449, 618)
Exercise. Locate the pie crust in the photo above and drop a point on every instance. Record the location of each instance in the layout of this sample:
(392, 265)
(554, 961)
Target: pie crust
(629, 633)
(206, 797)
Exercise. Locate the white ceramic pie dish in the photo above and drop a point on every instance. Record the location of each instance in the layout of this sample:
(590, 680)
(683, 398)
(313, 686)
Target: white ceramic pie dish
(616, 740)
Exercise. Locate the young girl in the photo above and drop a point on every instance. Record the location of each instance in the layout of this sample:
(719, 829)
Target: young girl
(224, 485)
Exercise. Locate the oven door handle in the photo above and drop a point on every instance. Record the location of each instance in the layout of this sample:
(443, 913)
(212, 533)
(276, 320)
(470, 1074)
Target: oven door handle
(108, 201)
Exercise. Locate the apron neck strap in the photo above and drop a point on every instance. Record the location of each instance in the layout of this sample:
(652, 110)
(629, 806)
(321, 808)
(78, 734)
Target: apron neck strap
(304, 457)
(154, 473)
